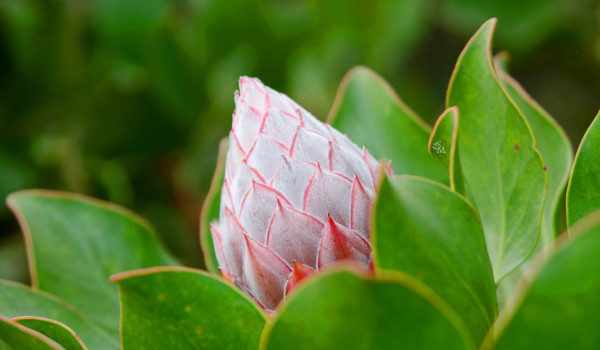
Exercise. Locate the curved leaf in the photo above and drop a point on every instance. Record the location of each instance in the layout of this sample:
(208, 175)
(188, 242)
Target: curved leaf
(443, 147)
(501, 166)
(583, 193)
(210, 210)
(19, 300)
(15, 336)
(370, 112)
(75, 243)
(557, 153)
(180, 308)
(556, 304)
(340, 310)
(425, 230)
(552, 143)
(54, 330)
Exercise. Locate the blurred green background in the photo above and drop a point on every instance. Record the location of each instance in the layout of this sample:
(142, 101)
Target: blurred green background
(126, 100)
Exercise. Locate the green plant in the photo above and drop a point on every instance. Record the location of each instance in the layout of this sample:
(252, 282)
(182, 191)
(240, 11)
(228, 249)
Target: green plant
(464, 258)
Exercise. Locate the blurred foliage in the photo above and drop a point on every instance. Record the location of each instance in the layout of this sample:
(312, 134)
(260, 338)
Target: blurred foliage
(126, 100)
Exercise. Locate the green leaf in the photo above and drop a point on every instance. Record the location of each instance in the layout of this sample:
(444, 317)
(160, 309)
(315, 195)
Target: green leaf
(501, 166)
(557, 153)
(556, 306)
(443, 147)
(340, 310)
(583, 193)
(210, 210)
(431, 233)
(370, 112)
(180, 308)
(76, 243)
(54, 330)
(15, 336)
(19, 300)
(552, 143)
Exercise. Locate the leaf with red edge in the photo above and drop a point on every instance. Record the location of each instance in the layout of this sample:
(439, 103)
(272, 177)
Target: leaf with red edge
(76, 242)
(372, 114)
(424, 229)
(499, 161)
(182, 308)
(18, 337)
(340, 309)
(583, 193)
(18, 300)
(443, 147)
(58, 332)
(555, 305)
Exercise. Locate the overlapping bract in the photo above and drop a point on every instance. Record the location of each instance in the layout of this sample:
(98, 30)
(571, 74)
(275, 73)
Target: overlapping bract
(296, 196)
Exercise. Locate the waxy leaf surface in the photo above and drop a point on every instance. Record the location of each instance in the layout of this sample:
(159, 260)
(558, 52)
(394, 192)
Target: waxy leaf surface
(340, 310)
(180, 308)
(370, 112)
(75, 243)
(503, 170)
(557, 153)
(18, 300)
(17, 337)
(443, 147)
(556, 306)
(429, 232)
(583, 193)
(58, 332)
(554, 146)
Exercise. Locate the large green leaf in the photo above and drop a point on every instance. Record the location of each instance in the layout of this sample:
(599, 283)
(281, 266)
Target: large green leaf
(553, 144)
(583, 193)
(54, 330)
(503, 170)
(557, 153)
(76, 243)
(556, 306)
(180, 308)
(370, 112)
(19, 300)
(429, 232)
(340, 310)
(17, 337)
(210, 210)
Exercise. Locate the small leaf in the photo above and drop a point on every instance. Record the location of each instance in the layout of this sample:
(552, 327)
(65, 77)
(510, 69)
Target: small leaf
(19, 300)
(442, 147)
(210, 210)
(340, 310)
(180, 308)
(503, 170)
(15, 336)
(583, 193)
(370, 112)
(425, 230)
(556, 304)
(553, 144)
(76, 243)
(54, 330)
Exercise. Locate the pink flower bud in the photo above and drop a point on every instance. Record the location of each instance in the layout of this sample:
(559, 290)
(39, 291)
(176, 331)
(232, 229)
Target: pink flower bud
(296, 196)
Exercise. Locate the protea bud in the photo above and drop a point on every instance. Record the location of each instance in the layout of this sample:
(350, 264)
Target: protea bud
(296, 196)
